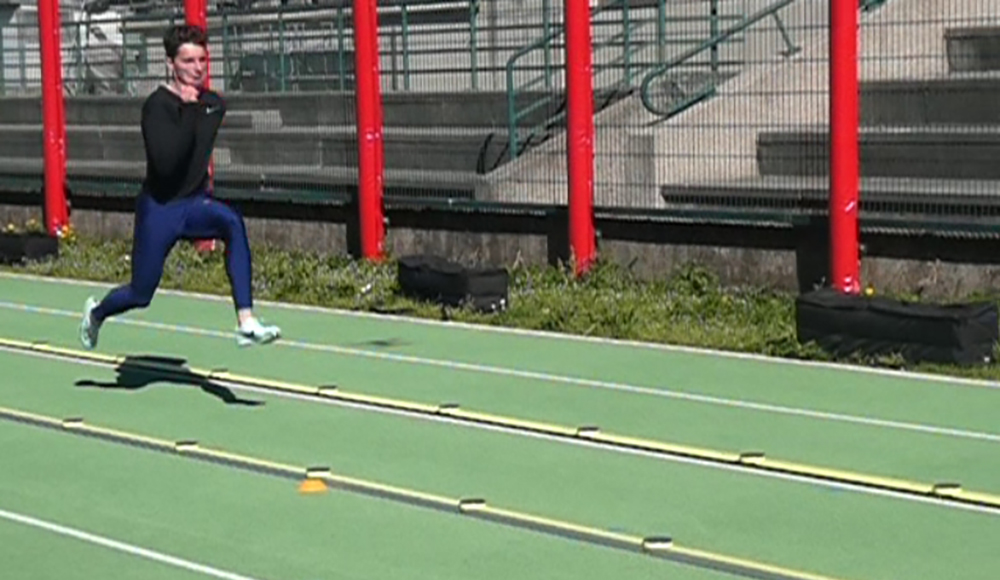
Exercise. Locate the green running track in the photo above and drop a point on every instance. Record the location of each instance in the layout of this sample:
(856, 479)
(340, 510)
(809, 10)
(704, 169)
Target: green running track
(73, 506)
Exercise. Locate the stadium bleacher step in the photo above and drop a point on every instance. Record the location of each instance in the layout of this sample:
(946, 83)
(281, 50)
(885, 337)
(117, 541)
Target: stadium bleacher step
(944, 152)
(969, 99)
(471, 149)
(432, 148)
(973, 48)
(257, 120)
(118, 111)
(893, 198)
(308, 109)
(266, 182)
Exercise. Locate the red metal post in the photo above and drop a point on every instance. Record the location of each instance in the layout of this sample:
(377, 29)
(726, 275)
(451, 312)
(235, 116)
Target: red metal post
(61, 110)
(844, 149)
(53, 117)
(580, 133)
(369, 122)
(196, 14)
(379, 124)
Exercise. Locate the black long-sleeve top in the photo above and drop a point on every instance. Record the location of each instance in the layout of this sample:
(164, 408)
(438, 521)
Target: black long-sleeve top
(179, 138)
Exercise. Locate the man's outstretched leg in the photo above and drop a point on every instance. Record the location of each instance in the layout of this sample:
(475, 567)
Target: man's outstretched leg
(210, 218)
(154, 234)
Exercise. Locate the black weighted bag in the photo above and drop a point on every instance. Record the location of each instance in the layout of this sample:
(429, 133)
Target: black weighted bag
(433, 278)
(845, 324)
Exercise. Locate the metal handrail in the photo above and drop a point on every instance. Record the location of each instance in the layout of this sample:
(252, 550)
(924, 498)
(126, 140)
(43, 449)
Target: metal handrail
(770, 11)
(624, 39)
(513, 115)
(712, 43)
(629, 67)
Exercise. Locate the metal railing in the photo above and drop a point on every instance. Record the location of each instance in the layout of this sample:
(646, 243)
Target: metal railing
(712, 44)
(272, 49)
(621, 36)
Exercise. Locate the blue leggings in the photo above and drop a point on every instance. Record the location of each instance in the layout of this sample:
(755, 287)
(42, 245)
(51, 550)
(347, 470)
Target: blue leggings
(158, 226)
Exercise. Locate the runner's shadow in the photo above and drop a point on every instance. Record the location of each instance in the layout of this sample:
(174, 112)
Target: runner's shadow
(135, 373)
(381, 343)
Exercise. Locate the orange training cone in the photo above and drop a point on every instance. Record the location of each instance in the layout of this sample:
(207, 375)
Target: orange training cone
(312, 485)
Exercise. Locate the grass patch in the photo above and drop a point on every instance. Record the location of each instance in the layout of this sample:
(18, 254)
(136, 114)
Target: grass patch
(688, 307)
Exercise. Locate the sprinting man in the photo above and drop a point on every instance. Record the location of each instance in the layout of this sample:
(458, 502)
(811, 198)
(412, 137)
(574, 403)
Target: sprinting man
(180, 121)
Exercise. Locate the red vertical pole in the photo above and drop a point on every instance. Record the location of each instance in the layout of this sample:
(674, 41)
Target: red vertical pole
(379, 125)
(61, 108)
(196, 14)
(580, 133)
(844, 150)
(368, 105)
(53, 120)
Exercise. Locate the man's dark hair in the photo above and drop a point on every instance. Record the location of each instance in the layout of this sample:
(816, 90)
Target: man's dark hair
(183, 34)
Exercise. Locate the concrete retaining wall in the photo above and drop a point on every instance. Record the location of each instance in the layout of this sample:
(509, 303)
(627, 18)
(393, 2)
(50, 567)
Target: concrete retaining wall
(939, 268)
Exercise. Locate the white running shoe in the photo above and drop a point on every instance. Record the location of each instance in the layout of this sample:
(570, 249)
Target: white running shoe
(253, 332)
(88, 328)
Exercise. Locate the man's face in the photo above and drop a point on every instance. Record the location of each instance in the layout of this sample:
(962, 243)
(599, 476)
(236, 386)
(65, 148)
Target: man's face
(190, 65)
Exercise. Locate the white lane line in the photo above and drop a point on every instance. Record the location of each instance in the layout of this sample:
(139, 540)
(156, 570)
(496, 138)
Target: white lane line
(550, 335)
(545, 377)
(122, 546)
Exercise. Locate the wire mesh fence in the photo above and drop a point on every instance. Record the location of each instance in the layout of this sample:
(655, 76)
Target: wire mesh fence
(759, 143)
(629, 40)
(261, 47)
(700, 105)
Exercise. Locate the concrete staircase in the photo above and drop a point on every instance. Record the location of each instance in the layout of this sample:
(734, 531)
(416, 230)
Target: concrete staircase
(929, 141)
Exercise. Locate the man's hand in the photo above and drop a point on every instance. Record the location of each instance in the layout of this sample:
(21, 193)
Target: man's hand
(189, 94)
